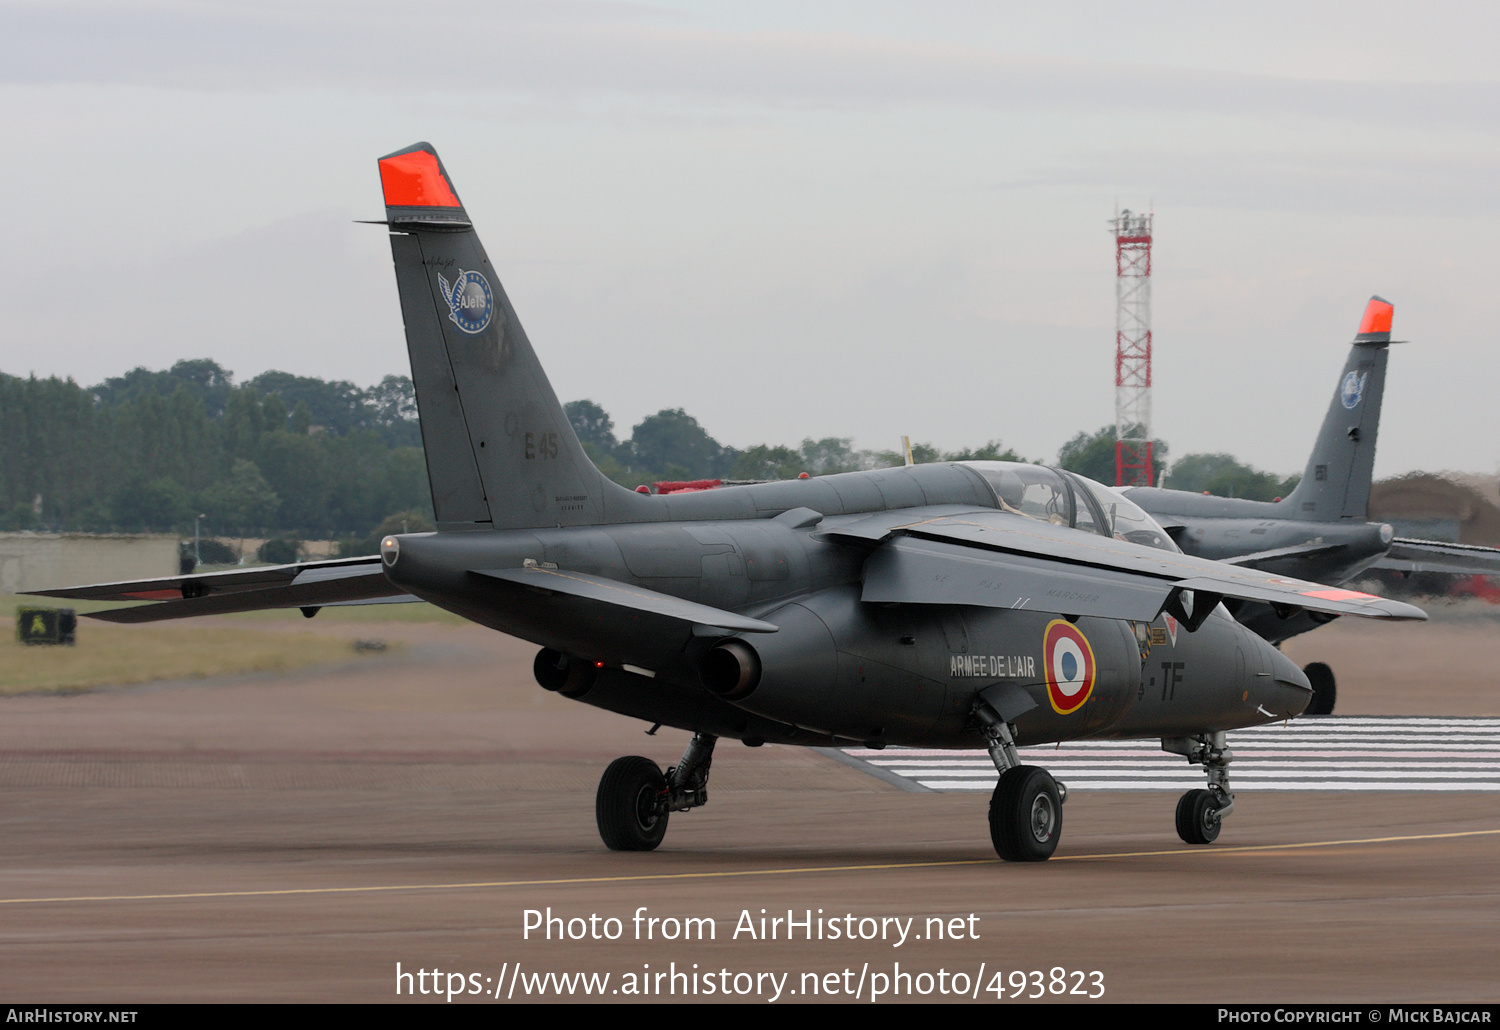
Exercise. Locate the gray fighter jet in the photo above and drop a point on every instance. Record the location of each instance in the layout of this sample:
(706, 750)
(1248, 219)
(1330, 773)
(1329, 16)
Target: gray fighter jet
(944, 605)
(1321, 531)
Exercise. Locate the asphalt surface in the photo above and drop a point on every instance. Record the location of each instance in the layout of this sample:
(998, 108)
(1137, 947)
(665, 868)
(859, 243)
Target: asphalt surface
(295, 838)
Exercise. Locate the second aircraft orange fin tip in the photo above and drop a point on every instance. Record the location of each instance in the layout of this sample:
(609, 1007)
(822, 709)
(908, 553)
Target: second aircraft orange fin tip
(1377, 317)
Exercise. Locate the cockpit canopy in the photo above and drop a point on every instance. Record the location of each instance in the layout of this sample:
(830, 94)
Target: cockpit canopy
(1067, 499)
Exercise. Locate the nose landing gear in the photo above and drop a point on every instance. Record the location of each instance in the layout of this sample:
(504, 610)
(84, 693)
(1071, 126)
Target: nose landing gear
(1198, 817)
(1201, 813)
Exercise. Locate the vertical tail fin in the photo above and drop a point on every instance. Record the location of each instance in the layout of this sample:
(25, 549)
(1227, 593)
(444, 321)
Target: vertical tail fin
(1336, 484)
(500, 451)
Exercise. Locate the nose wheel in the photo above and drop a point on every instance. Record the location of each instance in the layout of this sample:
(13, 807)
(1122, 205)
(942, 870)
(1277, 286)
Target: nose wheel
(1201, 813)
(1198, 819)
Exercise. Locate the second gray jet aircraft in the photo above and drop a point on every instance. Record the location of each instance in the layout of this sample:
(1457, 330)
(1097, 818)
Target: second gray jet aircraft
(1321, 530)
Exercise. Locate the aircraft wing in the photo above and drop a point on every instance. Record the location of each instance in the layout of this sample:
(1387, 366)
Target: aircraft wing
(305, 585)
(917, 570)
(1002, 560)
(587, 587)
(1407, 555)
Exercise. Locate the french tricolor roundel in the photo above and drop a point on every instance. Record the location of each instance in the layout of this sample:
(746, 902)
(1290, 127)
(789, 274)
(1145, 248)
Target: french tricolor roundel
(1070, 666)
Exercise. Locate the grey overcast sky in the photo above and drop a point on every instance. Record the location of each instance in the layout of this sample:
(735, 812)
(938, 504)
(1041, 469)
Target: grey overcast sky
(797, 219)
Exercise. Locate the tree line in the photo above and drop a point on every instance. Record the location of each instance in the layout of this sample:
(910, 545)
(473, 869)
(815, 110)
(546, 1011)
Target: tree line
(281, 454)
(149, 451)
(671, 445)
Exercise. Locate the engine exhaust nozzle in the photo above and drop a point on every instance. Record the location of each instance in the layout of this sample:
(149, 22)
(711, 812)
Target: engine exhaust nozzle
(731, 670)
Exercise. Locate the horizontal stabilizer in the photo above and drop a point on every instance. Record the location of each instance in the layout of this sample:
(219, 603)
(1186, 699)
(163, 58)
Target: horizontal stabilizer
(1430, 556)
(303, 585)
(398, 599)
(622, 595)
(260, 577)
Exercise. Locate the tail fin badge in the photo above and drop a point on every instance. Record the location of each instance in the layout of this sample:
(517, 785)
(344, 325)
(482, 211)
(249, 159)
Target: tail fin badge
(470, 301)
(1353, 389)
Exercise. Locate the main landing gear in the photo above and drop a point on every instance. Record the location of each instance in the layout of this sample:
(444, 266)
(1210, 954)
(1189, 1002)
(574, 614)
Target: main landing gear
(1026, 814)
(1201, 813)
(635, 797)
(1026, 808)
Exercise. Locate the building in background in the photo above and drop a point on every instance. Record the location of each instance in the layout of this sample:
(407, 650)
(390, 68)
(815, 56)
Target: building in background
(35, 561)
(1428, 506)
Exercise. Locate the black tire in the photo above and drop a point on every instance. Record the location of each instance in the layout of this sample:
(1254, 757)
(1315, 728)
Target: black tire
(1025, 815)
(1197, 821)
(629, 806)
(1325, 690)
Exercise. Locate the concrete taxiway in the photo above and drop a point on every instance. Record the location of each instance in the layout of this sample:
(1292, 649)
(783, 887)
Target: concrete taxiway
(295, 838)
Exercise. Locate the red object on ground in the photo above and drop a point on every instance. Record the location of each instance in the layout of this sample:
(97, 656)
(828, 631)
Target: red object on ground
(685, 486)
(1482, 587)
(643, 489)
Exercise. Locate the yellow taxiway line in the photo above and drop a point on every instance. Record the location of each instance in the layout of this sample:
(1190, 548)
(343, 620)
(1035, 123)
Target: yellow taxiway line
(791, 871)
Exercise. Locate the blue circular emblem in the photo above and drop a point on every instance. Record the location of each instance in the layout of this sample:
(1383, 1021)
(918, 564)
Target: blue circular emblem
(470, 302)
(1352, 389)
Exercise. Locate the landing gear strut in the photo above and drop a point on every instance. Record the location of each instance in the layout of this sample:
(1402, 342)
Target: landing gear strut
(1026, 808)
(1201, 813)
(635, 797)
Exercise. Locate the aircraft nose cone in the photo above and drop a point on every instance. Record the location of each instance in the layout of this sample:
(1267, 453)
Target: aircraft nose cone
(1287, 691)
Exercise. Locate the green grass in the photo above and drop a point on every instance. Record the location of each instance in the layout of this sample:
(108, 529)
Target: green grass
(112, 655)
(108, 655)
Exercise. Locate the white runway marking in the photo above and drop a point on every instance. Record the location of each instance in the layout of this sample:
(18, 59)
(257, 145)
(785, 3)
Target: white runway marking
(1328, 753)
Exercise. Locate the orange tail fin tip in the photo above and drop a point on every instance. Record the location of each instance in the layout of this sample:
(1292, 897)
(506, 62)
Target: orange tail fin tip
(415, 180)
(1377, 316)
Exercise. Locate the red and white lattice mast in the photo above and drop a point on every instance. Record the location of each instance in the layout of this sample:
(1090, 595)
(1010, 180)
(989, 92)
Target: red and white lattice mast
(1133, 466)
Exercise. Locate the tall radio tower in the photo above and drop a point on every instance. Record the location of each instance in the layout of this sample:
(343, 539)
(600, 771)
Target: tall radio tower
(1133, 465)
